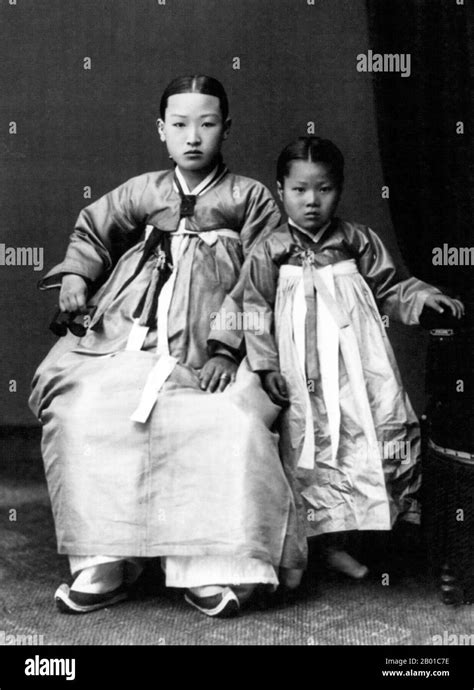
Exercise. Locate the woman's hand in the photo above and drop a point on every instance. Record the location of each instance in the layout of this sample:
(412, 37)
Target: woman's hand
(436, 302)
(275, 386)
(217, 373)
(73, 294)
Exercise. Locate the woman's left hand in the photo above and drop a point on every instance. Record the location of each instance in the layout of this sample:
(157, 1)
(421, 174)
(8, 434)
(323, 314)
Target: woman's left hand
(437, 302)
(217, 373)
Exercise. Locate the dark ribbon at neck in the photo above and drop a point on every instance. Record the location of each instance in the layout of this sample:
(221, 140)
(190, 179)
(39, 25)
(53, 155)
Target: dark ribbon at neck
(188, 201)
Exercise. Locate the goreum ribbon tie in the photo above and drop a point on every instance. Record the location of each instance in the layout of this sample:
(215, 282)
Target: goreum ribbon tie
(323, 321)
(158, 296)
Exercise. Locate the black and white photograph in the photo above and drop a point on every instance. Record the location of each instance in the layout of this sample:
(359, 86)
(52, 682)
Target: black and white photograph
(236, 307)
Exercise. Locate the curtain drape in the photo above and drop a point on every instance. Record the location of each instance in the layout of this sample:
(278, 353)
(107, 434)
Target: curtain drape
(427, 162)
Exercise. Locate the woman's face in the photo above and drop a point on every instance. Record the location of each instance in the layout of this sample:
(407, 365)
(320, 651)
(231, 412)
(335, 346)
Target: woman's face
(193, 130)
(309, 195)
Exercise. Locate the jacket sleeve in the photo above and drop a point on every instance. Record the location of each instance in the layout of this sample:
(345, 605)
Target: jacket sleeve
(260, 279)
(100, 234)
(253, 300)
(401, 298)
(261, 214)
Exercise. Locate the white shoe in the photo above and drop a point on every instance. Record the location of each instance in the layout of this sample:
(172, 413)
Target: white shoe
(223, 605)
(69, 601)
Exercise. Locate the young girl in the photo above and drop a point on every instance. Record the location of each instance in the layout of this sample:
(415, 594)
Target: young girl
(141, 460)
(349, 436)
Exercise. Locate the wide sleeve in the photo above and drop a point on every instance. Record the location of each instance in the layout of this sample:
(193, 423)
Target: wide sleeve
(261, 213)
(259, 280)
(401, 298)
(100, 234)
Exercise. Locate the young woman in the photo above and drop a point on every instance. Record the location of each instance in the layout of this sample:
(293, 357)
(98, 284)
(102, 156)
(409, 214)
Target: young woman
(155, 443)
(349, 436)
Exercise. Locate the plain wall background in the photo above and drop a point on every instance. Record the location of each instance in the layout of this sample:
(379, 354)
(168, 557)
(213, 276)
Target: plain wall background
(96, 128)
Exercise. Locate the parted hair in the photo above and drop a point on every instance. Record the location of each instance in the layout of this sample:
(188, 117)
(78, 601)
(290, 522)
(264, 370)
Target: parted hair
(197, 83)
(315, 150)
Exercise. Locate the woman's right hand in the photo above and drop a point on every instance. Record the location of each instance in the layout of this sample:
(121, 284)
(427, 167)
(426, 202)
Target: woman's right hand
(275, 386)
(73, 294)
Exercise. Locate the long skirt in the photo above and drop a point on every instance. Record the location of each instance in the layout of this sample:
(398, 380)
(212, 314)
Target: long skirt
(349, 439)
(202, 477)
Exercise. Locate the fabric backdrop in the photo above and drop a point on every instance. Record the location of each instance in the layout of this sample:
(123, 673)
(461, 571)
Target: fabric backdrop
(427, 164)
(93, 128)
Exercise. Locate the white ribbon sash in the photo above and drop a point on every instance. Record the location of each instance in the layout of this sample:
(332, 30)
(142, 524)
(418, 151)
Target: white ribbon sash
(179, 242)
(330, 321)
(166, 363)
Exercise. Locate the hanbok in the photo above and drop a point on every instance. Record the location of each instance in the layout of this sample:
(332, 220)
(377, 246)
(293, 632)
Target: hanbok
(350, 440)
(139, 460)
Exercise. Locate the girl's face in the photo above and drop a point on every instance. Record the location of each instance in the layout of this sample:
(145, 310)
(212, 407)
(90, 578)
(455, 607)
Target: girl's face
(193, 130)
(309, 195)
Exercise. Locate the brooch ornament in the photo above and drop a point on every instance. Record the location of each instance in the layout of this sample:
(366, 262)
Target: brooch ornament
(307, 256)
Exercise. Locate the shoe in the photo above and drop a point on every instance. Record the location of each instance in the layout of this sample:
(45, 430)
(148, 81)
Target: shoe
(69, 601)
(223, 605)
(342, 562)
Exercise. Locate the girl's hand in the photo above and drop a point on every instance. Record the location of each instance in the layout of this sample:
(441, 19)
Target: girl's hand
(437, 302)
(73, 294)
(217, 373)
(275, 386)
